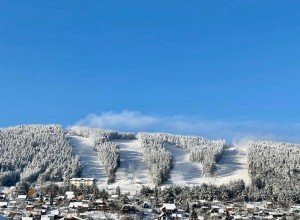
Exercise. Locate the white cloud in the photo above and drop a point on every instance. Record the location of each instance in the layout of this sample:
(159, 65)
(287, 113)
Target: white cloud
(232, 131)
(128, 120)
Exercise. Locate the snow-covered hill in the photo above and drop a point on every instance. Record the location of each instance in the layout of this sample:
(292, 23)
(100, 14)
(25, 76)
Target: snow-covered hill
(132, 173)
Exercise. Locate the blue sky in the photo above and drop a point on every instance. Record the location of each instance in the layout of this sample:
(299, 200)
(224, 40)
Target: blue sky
(221, 68)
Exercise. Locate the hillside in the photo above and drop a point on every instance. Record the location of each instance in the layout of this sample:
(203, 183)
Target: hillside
(91, 165)
(35, 152)
(47, 153)
(131, 169)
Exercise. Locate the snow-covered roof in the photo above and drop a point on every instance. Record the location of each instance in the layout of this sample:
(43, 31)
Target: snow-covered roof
(169, 206)
(99, 201)
(115, 196)
(75, 204)
(22, 196)
(177, 215)
(215, 207)
(82, 179)
(3, 204)
(27, 218)
(45, 217)
(250, 206)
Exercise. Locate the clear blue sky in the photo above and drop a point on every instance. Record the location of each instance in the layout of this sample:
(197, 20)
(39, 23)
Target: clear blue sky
(210, 60)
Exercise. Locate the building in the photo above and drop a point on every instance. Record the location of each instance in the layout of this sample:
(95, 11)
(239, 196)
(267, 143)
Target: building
(169, 208)
(83, 181)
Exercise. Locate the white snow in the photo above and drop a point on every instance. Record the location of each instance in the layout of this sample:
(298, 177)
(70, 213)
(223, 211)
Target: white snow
(232, 166)
(132, 173)
(184, 171)
(92, 167)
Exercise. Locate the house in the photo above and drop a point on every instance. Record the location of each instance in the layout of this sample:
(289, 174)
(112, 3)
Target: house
(27, 218)
(269, 205)
(126, 209)
(70, 195)
(146, 205)
(31, 192)
(250, 207)
(29, 207)
(83, 181)
(177, 216)
(75, 204)
(3, 204)
(204, 208)
(164, 216)
(99, 203)
(229, 208)
(114, 197)
(203, 202)
(12, 204)
(47, 217)
(22, 197)
(168, 208)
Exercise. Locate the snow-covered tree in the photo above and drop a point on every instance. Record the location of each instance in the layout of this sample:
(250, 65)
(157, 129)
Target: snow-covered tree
(108, 150)
(35, 151)
(274, 168)
(159, 160)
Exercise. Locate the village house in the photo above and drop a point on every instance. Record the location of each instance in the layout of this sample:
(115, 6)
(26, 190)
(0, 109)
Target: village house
(100, 204)
(83, 181)
(70, 195)
(168, 208)
(22, 197)
(127, 209)
(164, 216)
(3, 204)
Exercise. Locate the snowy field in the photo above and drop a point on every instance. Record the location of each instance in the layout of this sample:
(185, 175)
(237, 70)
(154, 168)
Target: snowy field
(92, 167)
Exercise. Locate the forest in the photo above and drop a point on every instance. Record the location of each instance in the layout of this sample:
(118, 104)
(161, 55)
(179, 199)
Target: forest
(36, 152)
(274, 168)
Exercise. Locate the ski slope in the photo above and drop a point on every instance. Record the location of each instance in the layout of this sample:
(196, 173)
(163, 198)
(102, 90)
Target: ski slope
(92, 167)
(232, 166)
(184, 172)
(132, 173)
